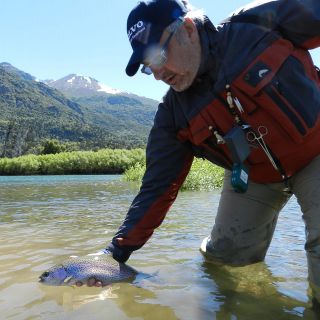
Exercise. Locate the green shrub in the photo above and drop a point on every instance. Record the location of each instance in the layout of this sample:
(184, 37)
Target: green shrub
(203, 175)
(104, 161)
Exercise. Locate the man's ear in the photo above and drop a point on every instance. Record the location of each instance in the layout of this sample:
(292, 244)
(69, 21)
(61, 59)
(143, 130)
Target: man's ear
(191, 28)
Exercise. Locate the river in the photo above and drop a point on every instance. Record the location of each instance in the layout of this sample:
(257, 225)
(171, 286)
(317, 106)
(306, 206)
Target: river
(44, 219)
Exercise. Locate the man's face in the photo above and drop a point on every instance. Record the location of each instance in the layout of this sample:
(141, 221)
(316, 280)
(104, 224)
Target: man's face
(183, 58)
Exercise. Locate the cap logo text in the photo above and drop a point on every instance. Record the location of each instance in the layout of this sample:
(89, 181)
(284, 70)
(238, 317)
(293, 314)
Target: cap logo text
(135, 30)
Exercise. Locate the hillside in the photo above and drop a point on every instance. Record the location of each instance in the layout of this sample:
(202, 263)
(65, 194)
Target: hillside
(32, 112)
(106, 103)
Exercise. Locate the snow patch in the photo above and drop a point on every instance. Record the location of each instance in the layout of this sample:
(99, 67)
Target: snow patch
(88, 79)
(107, 89)
(71, 80)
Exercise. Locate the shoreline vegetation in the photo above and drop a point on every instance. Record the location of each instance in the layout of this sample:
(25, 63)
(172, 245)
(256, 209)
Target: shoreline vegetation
(130, 163)
(203, 175)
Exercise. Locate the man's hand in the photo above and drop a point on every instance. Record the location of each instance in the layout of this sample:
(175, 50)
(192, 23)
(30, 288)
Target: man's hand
(117, 253)
(92, 282)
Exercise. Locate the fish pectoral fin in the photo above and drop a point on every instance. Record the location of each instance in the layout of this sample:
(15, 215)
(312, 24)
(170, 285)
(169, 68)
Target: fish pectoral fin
(67, 279)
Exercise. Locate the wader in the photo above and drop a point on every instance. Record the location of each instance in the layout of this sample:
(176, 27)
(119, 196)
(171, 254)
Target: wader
(245, 222)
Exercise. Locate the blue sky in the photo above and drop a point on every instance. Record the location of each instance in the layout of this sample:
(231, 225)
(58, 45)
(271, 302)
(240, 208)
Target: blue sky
(53, 38)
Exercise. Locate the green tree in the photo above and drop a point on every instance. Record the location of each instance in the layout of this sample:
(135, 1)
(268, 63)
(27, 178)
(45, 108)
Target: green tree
(52, 146)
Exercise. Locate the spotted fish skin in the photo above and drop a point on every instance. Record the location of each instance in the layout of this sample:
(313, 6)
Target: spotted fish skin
(103, 268)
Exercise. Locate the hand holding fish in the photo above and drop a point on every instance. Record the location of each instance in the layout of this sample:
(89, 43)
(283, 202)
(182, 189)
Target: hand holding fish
(94, 270)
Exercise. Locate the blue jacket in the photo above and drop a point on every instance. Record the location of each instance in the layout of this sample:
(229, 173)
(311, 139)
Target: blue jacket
(278, 33)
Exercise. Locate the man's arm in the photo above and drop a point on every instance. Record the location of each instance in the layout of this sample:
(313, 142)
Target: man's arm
(299, 22)
(168, 163)
(296, 20)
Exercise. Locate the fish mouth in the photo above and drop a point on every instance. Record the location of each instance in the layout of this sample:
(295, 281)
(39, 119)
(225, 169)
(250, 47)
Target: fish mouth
(43, 276)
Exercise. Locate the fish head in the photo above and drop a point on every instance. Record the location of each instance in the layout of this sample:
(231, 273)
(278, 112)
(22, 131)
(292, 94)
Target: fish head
(54, 276)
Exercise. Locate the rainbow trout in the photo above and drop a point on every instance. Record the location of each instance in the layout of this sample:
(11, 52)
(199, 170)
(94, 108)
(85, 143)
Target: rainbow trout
(101, 267)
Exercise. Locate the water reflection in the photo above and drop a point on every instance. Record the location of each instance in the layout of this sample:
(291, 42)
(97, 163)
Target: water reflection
(119, 301)
(43, 220)
(252, 290)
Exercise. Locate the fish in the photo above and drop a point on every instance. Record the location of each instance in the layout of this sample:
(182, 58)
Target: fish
(102, 268)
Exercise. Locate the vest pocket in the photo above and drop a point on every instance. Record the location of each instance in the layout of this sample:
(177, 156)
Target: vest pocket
(268, 108)
(290, 97)
(276, 91)
(287, 110)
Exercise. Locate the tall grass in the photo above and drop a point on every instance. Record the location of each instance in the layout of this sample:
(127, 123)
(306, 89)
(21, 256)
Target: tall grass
(105, 161)
(202, 176)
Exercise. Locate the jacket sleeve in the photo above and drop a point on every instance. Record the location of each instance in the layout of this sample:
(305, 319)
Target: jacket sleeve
(296, 20)
(168, 162)
(299, 22)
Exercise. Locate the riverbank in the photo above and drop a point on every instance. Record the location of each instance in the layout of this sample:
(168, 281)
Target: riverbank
(131, 163)
(104, 161)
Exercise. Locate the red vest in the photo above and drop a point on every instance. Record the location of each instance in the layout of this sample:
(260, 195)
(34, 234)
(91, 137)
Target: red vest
(279, 91)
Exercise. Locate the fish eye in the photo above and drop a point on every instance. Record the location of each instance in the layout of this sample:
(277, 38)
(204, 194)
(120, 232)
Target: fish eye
(45, 274)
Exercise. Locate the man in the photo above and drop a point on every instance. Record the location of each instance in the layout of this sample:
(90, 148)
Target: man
(244, 95)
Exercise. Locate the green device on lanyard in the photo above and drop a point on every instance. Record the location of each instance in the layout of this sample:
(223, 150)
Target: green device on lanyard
(239, 150)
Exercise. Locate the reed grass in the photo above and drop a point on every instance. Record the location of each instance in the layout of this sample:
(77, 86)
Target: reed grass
(203, 175)
(131, 163)
(104, 161)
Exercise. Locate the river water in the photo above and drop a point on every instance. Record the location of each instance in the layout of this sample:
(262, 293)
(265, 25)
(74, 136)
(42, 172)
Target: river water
(44, 219)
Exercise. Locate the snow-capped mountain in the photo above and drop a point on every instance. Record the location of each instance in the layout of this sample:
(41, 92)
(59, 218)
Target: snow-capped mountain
(76, 85)
(91, 114)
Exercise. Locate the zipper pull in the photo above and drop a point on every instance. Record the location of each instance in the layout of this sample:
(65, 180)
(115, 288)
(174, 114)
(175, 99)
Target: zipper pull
(232, 102)
(218, 136)
(220, 139)
(229, 97)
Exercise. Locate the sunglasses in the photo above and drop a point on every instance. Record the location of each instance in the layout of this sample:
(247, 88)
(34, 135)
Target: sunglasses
(159, 57)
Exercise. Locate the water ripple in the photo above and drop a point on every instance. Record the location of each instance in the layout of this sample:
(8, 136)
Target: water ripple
(43, 220)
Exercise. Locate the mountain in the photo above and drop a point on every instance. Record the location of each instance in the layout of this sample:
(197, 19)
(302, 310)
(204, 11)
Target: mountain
(76, 85)
(11, 69)
(32, 111)
(105, 102)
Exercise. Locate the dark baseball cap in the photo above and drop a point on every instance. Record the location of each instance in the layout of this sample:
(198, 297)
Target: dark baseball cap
(145, 25)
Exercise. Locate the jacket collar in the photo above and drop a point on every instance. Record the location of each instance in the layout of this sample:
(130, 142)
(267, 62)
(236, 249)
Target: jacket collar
(208, 38)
